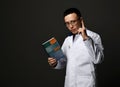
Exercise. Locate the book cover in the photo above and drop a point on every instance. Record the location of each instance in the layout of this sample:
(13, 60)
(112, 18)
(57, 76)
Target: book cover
(53, 49)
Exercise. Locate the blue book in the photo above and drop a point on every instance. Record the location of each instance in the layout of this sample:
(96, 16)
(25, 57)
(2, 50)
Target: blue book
(53, 49)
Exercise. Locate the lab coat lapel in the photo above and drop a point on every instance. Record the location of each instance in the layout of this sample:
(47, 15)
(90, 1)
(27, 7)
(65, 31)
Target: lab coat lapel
(76, 39)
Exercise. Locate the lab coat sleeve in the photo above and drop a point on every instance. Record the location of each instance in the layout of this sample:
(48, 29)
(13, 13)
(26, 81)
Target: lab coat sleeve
(95, 49)
(61, 64)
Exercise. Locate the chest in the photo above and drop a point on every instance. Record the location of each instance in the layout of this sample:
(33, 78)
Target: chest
(75, 48)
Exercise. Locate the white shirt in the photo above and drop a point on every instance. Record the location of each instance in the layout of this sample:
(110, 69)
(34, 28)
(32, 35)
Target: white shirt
(81, 56)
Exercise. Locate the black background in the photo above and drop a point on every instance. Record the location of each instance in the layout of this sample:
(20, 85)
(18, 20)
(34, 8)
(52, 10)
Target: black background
(26, 24)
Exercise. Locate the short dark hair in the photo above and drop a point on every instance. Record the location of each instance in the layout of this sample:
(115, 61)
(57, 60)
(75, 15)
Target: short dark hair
(72, 10)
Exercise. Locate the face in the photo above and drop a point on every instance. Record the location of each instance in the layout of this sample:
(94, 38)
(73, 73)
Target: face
(72, 22)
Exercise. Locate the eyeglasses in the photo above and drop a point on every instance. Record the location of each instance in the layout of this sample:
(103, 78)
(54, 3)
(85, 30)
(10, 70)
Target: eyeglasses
(73, 22)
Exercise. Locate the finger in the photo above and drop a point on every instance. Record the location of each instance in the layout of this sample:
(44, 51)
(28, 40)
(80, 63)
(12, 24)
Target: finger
(51, 60)
(52, 63)
(79, 30)
(83, 26)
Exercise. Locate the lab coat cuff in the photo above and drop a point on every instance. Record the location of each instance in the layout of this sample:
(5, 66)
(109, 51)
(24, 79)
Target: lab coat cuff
(58, 65)
(88, 40)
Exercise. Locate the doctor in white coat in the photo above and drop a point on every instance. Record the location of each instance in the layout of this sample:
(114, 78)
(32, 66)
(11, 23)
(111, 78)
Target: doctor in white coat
(83, 50)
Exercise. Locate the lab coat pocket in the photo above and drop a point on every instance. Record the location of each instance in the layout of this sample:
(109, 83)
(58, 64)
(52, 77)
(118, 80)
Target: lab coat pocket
(85, 81)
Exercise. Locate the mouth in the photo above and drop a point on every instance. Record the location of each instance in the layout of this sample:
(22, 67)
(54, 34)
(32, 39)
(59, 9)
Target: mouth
(74, 31)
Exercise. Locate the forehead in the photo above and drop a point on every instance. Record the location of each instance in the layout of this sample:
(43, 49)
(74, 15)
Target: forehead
(69, 17)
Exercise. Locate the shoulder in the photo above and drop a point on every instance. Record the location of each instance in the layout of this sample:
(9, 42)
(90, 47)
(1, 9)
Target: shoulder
(92, 34)
(68, 36)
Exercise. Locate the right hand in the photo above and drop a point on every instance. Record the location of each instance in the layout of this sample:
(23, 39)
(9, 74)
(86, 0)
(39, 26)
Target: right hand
(52, 61)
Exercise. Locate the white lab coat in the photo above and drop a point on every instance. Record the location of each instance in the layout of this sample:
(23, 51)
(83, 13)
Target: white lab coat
(81, 56)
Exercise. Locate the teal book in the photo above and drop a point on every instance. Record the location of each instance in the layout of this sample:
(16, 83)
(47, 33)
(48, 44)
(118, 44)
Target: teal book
(53, 49)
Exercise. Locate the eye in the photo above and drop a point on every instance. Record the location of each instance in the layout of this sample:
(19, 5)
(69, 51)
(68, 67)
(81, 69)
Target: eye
(72, 22)
(66, 23)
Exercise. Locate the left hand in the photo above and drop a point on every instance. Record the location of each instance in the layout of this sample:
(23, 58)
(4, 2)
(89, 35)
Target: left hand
(82, 31)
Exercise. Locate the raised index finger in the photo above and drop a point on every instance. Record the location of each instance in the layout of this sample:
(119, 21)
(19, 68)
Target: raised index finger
(83, 26)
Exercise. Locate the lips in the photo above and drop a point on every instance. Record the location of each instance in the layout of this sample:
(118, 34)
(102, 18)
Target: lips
(73, 30)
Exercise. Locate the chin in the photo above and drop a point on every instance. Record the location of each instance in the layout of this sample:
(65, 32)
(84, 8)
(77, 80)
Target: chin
(74, 32)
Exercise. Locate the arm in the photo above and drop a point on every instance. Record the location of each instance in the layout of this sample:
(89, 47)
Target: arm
(95, 49)
(93, 44)
(57, 64)
(61, 63)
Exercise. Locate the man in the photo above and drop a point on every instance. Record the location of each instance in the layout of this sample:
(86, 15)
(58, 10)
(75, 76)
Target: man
(83, 50)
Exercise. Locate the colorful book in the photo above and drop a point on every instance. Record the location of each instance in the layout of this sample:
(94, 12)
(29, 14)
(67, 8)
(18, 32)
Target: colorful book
(53, 49)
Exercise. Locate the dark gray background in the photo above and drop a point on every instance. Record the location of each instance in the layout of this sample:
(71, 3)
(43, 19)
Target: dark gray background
(25, 24)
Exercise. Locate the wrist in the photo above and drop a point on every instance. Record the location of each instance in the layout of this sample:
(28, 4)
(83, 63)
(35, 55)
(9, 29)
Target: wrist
(85, 38)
